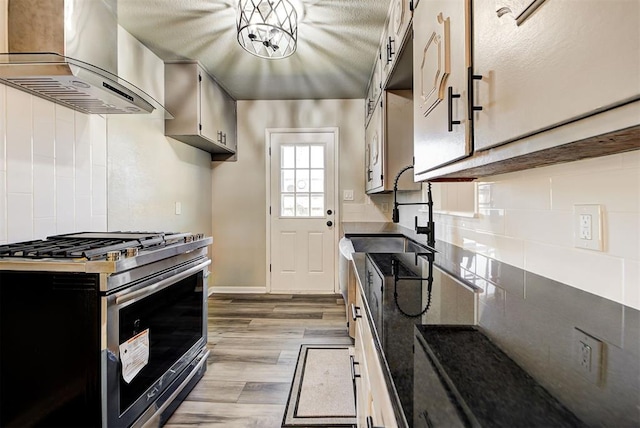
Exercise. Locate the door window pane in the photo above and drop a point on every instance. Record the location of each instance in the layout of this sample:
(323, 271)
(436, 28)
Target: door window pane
(317, 205)
(287, 156)
(288, 180)
(302, 180)
(302, 156)
(302, 173)
(302, 205)
(317, 180)
(288, 206)
(317, 157)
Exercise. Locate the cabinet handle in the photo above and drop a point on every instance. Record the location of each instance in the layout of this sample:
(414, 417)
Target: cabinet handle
(390, 52)
(369, 171)
(354, 363)
(354, 312)
(450, 97)
(369, 278)
(470, 78)
(224, 138)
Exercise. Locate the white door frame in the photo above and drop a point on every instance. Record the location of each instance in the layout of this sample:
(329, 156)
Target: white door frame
(336, 199)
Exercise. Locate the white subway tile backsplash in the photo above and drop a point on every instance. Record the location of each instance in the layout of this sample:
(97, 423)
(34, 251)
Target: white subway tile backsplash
(515, 192)
(622, 234)
(584, 269)
(99, 223)
(616, 190)
(487, 220)
(19, 217)
(18, 142)
(44, 127)
(83, 213)
(99, 191)
(65, 137)
(508, 250)
(44, 191)
(534, 225)
(65, 205)
(82, 155)
(43, 227)
(98, 126)
(552, 227)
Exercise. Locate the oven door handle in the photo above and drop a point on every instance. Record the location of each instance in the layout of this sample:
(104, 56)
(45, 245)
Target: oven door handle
(160, 284)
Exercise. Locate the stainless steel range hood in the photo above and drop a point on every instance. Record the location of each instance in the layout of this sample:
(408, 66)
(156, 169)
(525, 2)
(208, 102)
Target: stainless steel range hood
(66, 52)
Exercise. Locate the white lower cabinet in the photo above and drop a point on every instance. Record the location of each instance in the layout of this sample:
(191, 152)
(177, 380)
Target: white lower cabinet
(373, 402)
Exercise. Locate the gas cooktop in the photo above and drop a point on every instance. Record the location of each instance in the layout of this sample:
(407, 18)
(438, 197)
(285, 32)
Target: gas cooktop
(95, 245)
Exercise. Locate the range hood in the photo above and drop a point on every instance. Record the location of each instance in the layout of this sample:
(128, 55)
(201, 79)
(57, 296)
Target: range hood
(66, 51)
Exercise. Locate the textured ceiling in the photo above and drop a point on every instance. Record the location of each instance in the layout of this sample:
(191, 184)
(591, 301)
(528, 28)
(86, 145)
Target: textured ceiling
(337, 45)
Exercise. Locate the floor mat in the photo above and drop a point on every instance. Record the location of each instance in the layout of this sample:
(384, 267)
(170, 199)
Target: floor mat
(322, 390)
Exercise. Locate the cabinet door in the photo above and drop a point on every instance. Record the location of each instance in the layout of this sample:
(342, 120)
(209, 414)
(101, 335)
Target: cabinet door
(545, 63)
(374, 151)
(209, 100)
(229, 120)
(441, 57)
(374, 90)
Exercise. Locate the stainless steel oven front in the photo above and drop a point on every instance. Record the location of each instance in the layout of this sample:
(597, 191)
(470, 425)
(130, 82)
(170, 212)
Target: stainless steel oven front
(156, 327)
(105, 339)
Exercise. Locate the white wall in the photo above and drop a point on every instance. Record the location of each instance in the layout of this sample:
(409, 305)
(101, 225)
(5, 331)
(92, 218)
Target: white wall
(528, 223)
(239, 192)
(53, 169)
(148, 172)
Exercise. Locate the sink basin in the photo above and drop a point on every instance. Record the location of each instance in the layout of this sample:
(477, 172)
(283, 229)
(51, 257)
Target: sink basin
(386, 244)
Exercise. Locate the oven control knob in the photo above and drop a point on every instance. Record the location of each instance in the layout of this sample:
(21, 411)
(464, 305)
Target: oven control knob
(113, 256)
(188, 238)
(131, 252)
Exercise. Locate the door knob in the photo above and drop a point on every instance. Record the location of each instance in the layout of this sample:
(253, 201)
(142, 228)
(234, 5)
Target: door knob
(329, 223)
(329, 212)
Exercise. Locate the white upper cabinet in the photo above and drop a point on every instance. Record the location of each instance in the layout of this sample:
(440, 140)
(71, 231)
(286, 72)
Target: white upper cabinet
(204, 114)
(374, 150)
(549, 63)
(441, 61)
(389, 143)
(394, 36)
(374, 89)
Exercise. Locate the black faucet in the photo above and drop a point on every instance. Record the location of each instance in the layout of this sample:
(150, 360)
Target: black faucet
(429, 229)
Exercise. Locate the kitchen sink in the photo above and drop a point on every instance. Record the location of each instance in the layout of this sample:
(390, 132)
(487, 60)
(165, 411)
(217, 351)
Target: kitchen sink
(386, 244)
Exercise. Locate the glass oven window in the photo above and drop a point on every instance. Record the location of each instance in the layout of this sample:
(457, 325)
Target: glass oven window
(174, 317)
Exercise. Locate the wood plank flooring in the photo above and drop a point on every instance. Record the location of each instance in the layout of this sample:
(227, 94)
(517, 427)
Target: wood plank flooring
(254, 342)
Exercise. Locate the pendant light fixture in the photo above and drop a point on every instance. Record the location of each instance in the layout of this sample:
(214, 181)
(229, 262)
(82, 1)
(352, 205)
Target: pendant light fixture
(267, 28)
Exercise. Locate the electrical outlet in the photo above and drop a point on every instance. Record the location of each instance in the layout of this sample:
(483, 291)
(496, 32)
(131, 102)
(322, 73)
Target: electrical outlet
(178, 208)
(587, 227)
(384, 207)
(347, 195)
(588, 356)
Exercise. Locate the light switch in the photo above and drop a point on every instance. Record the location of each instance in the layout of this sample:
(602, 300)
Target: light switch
(347, 195)
(178, 208)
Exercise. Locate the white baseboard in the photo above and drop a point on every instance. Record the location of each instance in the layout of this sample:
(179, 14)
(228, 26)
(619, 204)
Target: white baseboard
(237, 290)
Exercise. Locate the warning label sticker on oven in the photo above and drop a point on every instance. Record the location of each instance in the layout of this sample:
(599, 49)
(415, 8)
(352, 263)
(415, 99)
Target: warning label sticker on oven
(134, 355)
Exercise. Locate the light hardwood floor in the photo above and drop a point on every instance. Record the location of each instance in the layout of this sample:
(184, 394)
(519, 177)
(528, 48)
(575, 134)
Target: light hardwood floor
(254, 342)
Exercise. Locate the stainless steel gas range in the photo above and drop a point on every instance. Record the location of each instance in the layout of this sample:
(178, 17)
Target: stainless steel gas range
(101, 329)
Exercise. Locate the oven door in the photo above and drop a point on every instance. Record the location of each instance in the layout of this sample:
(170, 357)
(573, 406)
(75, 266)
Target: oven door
(154, 330)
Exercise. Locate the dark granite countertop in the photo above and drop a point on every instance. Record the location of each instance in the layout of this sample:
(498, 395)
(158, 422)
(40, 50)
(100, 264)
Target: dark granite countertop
(424, 291)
